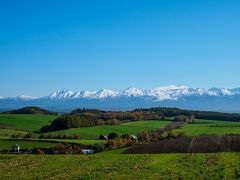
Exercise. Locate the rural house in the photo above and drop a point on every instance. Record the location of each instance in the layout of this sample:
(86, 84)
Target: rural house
(16, 148)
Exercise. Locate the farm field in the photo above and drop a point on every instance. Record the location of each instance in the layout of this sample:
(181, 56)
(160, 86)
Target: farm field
(201, 127)
(119, 166)
(7, 144)
(27, 122)
(132, 128)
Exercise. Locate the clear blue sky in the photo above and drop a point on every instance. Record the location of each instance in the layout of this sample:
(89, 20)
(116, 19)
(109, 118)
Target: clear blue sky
(47, 45)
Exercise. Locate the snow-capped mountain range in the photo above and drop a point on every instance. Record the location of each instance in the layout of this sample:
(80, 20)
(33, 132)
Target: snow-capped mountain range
(177, 96)
(161, 93)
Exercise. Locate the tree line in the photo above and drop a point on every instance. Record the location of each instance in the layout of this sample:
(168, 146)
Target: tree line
(94, 117)
(209, 115)
(91, 117)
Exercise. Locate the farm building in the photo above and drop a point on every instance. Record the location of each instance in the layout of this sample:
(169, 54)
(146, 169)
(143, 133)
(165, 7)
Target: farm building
(87, 151)
(103, 137)
(133, 137)
(16, 148)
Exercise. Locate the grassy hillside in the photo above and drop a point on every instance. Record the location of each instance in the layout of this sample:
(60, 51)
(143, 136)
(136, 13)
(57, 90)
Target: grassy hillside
(119, 166)
(28, 122)
(210, 127)
(130, 128)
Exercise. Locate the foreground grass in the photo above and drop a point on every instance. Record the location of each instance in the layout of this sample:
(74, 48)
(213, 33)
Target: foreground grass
(210, 127)
(27, 122)
(132, 128)
(119, 166)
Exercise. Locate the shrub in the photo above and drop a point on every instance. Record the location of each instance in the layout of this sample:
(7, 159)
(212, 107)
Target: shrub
(38, 151)
(16, 136)
(112, 135)
(98, 147)
(42, 136)
(76, 136)
(29, 135)
(170, 134)
(119, 142)
(144, 136)
(125, 136)
(65, 136)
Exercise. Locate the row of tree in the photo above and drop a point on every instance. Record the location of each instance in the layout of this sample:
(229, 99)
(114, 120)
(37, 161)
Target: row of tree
(89, 118)
(59, 136)
(173, 112)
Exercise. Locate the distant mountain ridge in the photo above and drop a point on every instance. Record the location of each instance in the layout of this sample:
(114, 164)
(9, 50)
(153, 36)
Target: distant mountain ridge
(217, 99)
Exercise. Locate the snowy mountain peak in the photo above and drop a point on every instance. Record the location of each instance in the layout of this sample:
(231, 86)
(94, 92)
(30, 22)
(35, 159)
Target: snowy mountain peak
(172, 88)
(61, 94)
(158, 94)
(130, 98)
(220, 92)
(23, 97)
(133, 92)
(83, 94)
(105, 93)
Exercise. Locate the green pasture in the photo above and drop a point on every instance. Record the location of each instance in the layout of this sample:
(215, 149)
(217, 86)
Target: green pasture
(27, 122)
(132, 128)
(121, 166)
(201, 127)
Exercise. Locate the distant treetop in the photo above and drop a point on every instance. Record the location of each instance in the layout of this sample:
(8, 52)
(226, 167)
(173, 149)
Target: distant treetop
(30, 110)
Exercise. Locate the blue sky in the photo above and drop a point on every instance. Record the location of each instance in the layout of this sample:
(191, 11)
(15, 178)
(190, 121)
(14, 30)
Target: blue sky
(79, 45)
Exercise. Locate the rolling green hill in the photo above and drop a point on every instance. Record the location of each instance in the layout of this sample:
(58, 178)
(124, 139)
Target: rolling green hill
(131, 128)
(210, 127)
(27, 122)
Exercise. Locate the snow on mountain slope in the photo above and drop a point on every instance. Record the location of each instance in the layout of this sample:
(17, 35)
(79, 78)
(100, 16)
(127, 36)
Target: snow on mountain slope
(83, 94)
(215, 99)
(105, 93)
(61, 94)
(25, 98)
(160, 93)
(170, 92)
(133, 92)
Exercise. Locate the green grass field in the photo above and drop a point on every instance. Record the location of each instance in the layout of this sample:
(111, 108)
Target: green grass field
(113, 164)
(119, 166)
(210, 127)
(7, 144)
(27, 122)
(132, 128)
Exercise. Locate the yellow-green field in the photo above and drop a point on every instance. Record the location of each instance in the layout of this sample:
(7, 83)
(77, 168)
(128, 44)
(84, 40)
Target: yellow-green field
(132, 128)
(121, 166)
(27, 122)
(210, 127)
